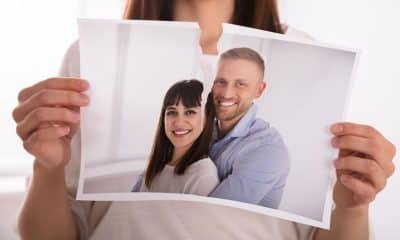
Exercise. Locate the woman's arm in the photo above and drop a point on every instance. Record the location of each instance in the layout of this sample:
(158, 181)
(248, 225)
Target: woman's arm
(47, 117)
(363, 167)
(45, 213)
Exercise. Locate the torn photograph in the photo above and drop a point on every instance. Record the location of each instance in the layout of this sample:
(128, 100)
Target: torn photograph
(246, 127)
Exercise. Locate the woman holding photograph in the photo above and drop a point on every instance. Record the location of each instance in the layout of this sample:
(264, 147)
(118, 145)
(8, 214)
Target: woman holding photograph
(179, 160)
(50, 211)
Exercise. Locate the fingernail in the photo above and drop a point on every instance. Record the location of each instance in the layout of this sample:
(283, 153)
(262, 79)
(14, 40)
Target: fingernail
(337, 128)
(335, 142)
(65, 129)
(84, 98)
(76, 117)
(344, 178)
(85, 83)
(336, 163)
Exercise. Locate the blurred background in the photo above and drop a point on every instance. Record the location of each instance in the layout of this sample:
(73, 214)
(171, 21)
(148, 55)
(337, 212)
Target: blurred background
(35, 35)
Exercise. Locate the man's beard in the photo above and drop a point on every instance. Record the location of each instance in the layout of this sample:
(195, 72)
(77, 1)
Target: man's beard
(229, 115)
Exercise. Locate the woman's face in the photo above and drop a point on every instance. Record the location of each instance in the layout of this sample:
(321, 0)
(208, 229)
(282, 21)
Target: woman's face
(183, 125)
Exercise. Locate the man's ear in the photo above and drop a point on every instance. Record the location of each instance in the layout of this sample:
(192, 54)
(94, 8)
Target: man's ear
(261, 87)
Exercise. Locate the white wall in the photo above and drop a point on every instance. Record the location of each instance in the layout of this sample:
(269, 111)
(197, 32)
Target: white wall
(373, 27)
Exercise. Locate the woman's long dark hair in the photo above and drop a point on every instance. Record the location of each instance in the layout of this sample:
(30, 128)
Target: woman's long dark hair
(189, 93)
(261, 14)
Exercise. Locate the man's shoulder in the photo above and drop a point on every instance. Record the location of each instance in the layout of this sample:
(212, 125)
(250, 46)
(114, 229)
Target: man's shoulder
(264, 140)
(262, 132)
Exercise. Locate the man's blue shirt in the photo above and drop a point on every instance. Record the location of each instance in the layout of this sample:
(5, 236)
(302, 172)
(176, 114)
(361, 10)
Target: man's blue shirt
(252, 162)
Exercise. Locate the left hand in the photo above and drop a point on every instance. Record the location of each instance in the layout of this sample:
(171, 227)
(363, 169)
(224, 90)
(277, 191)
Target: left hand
(365, 163)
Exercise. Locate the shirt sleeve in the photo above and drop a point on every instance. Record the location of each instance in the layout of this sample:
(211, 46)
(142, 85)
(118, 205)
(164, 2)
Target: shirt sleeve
(80, 211)
(258, 175)
(138, 184)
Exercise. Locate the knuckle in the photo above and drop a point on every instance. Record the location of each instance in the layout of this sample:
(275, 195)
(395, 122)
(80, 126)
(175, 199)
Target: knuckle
(19, 130)
(48, 82)
(43, 96)
(371, 131)
(372, 167)
(393, 150)
(39, 115)
(27, 146)
(21, 94)
(15, 114)
(376, 148)
(392, 169)
(382, 185)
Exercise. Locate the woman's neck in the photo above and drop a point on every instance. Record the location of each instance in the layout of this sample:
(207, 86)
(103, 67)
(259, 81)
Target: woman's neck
(177, 155)
(203, 10)
(210, 14)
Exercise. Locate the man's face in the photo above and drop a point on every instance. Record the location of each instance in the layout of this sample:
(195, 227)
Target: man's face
(238, 82)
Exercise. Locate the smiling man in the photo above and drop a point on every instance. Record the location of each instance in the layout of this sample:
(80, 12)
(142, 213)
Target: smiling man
(251, 157)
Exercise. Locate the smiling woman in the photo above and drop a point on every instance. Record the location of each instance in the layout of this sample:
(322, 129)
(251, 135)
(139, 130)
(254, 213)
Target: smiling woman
(179, 160)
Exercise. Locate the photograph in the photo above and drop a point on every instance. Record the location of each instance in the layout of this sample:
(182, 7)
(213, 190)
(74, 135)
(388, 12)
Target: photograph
(242, 128)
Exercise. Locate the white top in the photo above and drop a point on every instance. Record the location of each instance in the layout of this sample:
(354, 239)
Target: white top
(200, 178)
(166, 219)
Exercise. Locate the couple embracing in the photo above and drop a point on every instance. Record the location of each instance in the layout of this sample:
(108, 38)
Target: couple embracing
(212, 144)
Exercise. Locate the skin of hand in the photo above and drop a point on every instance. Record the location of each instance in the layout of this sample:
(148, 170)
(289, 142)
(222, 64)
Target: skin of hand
(47, 117)
(364, 164)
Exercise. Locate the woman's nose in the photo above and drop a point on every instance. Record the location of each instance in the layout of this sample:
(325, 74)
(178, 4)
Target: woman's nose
(179, 120)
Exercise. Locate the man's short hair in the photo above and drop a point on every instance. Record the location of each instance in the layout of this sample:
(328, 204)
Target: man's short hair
(246, 54)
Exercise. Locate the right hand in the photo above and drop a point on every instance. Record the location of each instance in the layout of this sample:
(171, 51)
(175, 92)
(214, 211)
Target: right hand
(48, 116)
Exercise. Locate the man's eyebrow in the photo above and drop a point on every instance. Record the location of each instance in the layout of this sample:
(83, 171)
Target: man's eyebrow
(240, 80)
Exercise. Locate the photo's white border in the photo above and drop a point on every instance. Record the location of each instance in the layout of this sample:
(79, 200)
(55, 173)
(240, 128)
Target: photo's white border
(244, 31)
(144, 196)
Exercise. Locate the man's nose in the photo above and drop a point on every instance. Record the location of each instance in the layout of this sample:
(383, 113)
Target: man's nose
(228, 91)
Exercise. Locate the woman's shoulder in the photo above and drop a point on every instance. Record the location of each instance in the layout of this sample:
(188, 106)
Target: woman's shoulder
(202, 166)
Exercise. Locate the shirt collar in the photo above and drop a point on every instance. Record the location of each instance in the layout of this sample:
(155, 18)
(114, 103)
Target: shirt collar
(242, 128)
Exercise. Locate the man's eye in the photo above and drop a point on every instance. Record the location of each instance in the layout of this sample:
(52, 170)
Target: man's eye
(219, 82)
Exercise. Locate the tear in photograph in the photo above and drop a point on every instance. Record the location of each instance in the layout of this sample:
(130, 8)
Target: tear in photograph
(246, 128)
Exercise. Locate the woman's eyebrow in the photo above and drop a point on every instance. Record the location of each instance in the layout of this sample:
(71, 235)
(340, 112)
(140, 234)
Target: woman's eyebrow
(193, 108)
(171, 108)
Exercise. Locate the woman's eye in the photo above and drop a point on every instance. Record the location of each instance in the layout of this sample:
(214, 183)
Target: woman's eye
(171, 113)
(190, 112)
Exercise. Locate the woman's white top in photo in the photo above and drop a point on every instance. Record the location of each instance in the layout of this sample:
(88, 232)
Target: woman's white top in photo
(200, 178)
